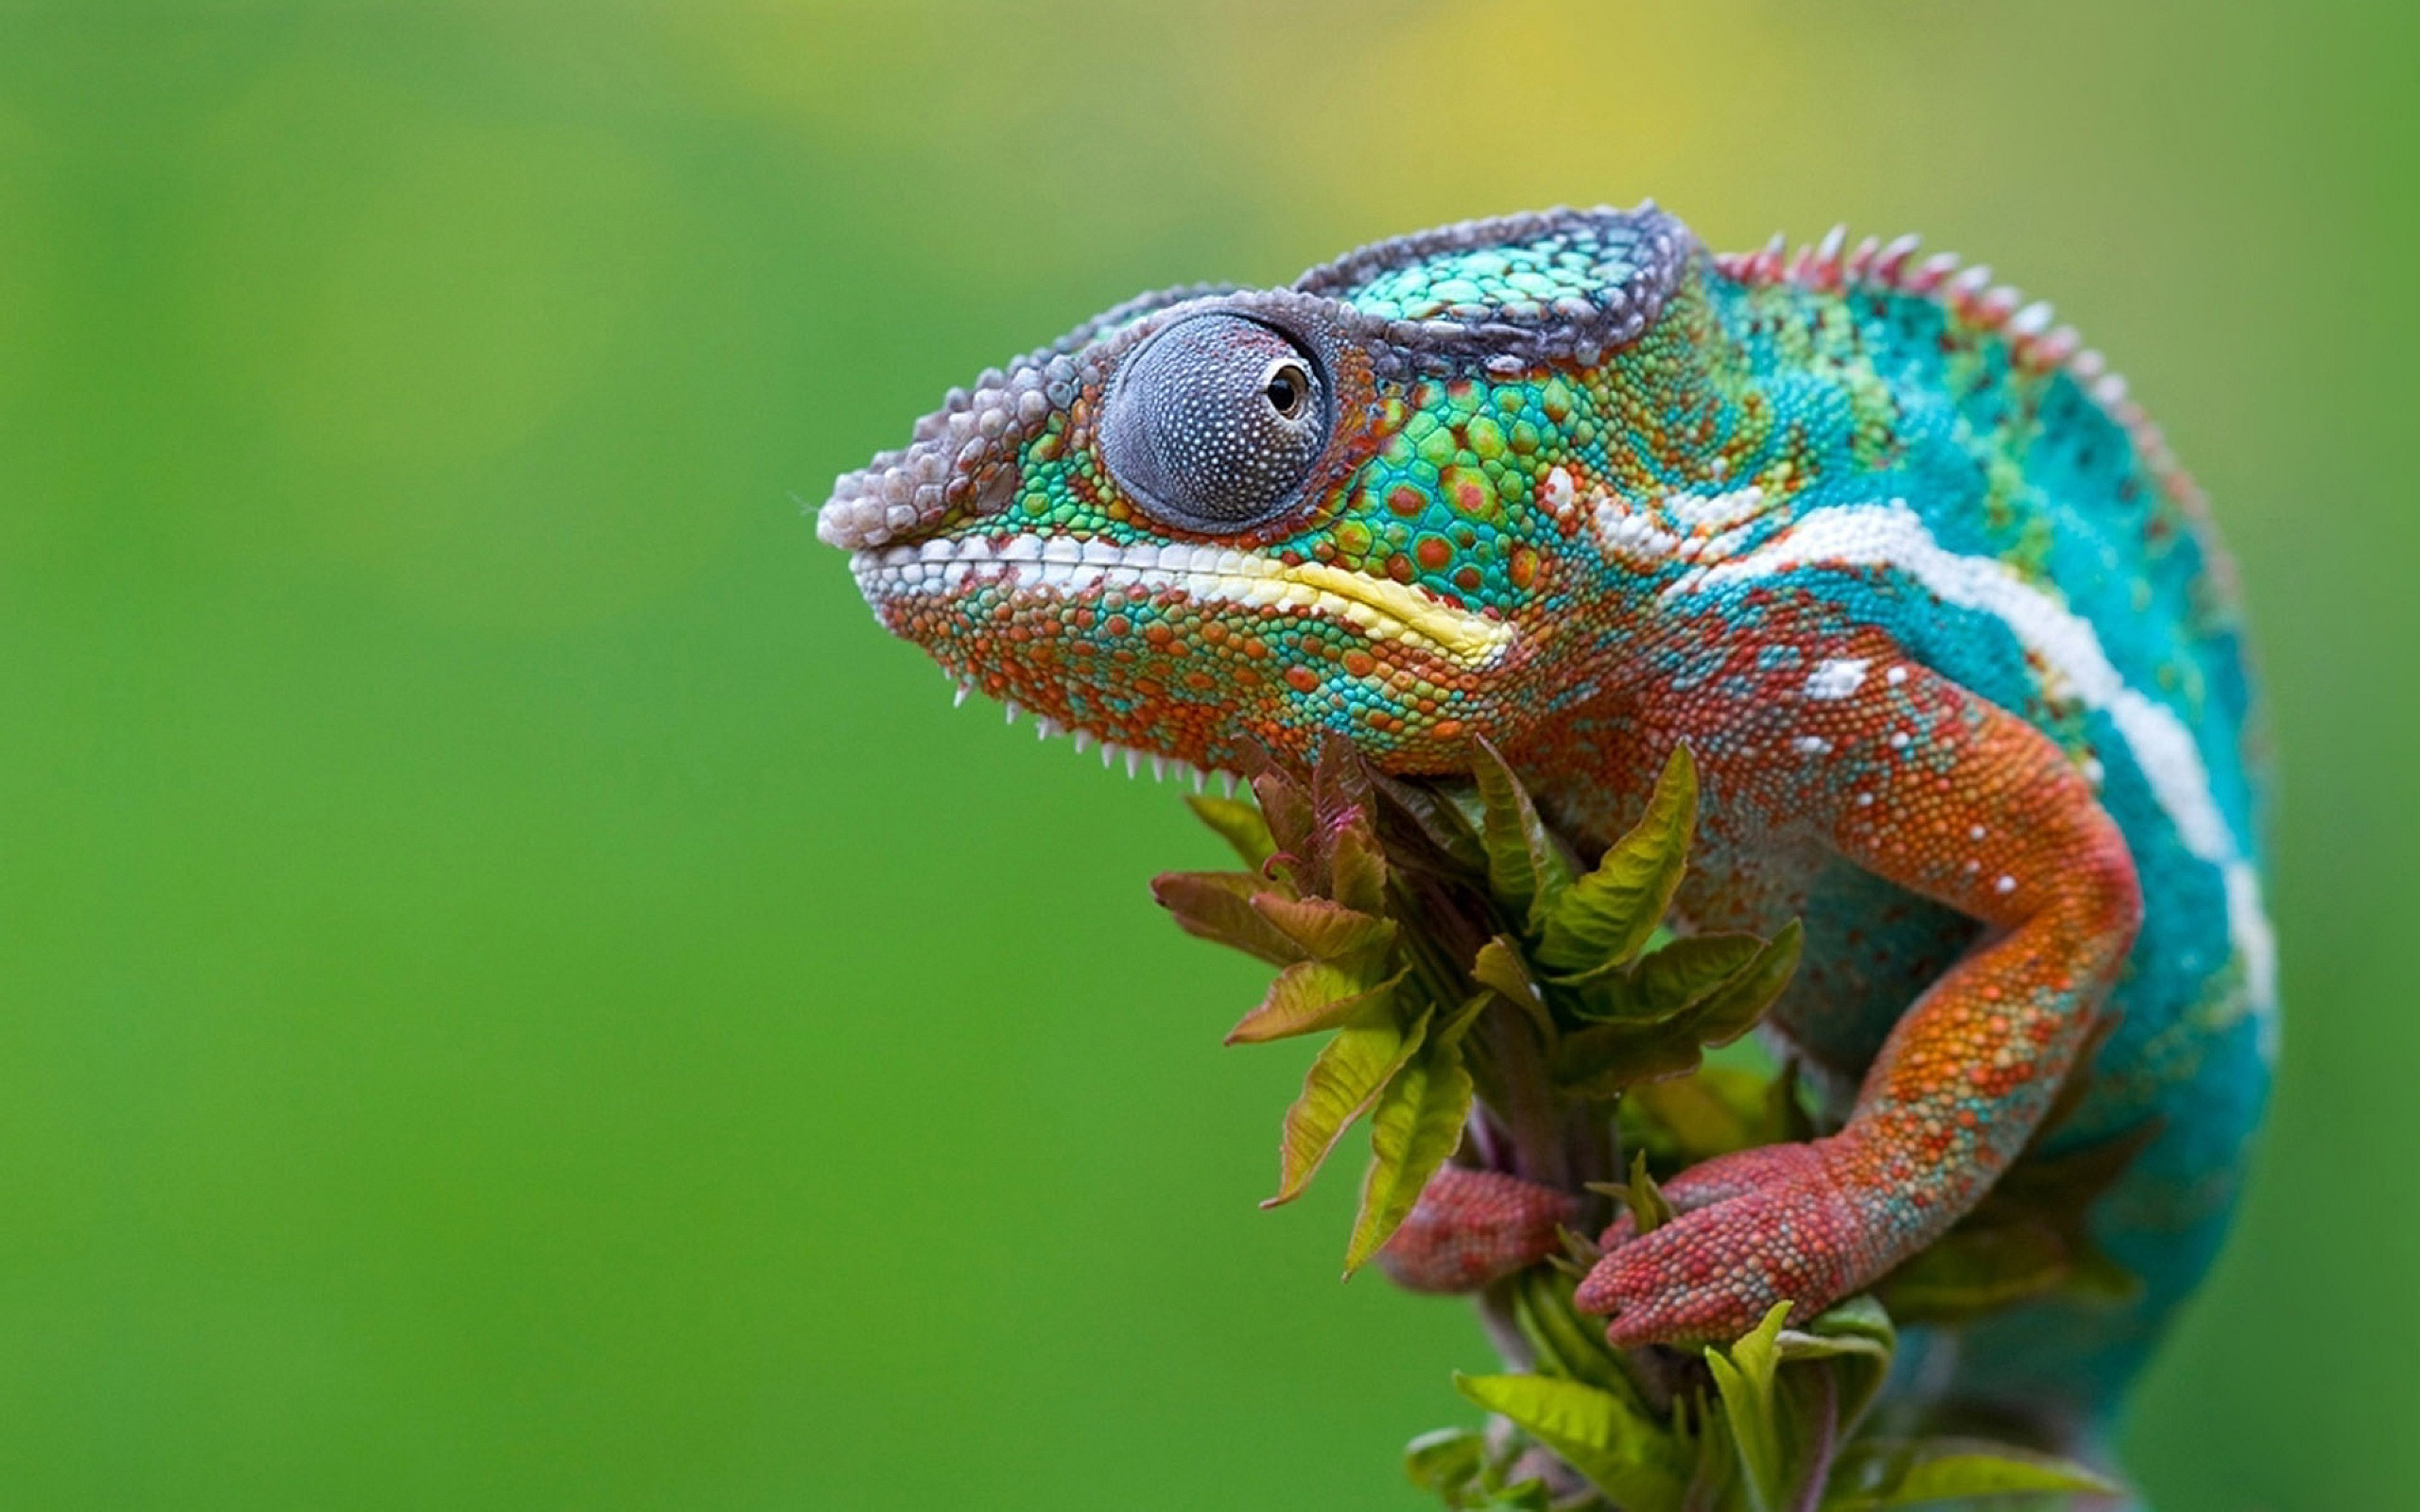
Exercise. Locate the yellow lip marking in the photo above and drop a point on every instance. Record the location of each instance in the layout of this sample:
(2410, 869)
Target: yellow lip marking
(1470, 639)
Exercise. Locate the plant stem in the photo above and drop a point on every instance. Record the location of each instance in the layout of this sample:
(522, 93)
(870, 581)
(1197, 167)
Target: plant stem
(1530, 1108)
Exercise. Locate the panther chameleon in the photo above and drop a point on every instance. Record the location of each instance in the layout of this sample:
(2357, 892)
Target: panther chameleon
(1946, 626)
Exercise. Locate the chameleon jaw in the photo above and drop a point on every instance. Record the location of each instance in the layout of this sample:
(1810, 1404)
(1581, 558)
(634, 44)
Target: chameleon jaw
(1381, 609)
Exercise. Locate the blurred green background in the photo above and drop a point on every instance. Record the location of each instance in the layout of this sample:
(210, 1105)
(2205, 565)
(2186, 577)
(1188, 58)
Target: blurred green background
(514, 994)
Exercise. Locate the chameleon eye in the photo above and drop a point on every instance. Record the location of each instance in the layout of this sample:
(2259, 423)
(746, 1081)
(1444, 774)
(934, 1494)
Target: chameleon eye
(1213, 423)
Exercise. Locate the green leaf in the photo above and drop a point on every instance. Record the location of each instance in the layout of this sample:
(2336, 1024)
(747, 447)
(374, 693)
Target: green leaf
(1686, 972)
(1733, 1009)
(1307, 997)
(1217, 906)
(1499, 968)
(1855, 1341)
(2027, 1238)
(1417, 1124)
(2098, 1277)
(2063, 1186)
(1524, 872)
(1714, 1467)
(1326, 931)
(1608, 915)
(1782, 1119)
(1630, 1457)
(1744, 1376)
(1604, 1059)
(1564, 1342)
(1649, 1210)
(1877, 1473)
(1691, 1118)
(1790, 1395)
(1448, 1462)
(1236, 822)
(1349, 1073)
(1978, 1268)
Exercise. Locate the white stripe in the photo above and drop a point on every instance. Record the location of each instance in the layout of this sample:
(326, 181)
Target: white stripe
(1890, 535)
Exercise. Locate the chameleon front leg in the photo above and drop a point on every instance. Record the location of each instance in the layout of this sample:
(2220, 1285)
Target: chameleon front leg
(1913, 778)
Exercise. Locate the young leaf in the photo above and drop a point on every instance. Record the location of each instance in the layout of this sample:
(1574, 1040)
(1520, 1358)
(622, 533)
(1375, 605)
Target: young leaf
(1217, 906)
(1286, 809)
(1349, 1073)
(1357, 870)
(1733, 1008)
(1855, 1342)
(1878, 1473)
(1694, 1118)
(1326, 931)
(1309, 996)
(1745, 1379)
(1531, 1495)
(1686, 972)
(1628, 1457)
(1565, 1343)
(1782, 1119)
(1605, 1060)
(1415, 820)
(1608, 915)
(2063, 1186)
(1499, 968)
(1649, 1210)
(2094, 1276)
(1341, 784)
(1524, 870)
(1714, 1468)
(1236, 822)
(1415, 1126)
(1977, 1268)
(1448, 1462)
(2027, 1238)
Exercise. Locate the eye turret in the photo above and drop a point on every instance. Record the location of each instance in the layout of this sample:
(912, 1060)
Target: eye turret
(1214, 423)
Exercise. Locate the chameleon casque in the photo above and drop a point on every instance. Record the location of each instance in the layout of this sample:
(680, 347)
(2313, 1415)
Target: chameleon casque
(1944, 623)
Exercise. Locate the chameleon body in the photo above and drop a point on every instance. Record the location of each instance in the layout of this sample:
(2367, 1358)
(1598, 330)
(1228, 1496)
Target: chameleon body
(1942, 622)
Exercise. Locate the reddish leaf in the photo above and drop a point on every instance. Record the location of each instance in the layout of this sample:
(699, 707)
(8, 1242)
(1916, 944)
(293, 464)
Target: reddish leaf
(1218, 905)
(1306, 996)
(1325, 931)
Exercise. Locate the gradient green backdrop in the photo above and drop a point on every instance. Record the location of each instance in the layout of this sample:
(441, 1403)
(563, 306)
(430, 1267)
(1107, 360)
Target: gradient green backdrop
(514, 995)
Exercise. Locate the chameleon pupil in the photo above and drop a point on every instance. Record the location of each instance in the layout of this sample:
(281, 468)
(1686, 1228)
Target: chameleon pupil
(1285, 391)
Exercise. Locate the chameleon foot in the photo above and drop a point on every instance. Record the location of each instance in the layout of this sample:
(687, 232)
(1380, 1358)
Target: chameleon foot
(1753, 1229)
(1472, 1229)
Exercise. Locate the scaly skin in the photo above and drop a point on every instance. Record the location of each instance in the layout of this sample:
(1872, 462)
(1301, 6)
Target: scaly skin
(1942, 620)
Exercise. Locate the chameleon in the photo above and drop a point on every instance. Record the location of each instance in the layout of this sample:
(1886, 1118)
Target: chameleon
(1945, 623)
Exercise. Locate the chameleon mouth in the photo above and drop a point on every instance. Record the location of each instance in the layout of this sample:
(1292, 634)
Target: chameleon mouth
(1381, 608)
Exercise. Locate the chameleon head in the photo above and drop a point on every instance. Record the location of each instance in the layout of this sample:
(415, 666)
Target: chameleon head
(1212, 517)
